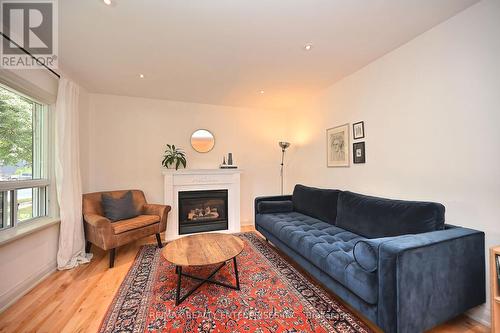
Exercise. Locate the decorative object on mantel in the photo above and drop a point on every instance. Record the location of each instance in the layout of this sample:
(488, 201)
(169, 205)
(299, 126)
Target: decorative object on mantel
(229, 164)
(337, 146)
(174, 157)
(284, 145)
(358, 152)
(202, 141)
(358, 130)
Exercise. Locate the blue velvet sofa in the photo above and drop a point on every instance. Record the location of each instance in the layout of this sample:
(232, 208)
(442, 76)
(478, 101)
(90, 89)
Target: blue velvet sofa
(395, 261)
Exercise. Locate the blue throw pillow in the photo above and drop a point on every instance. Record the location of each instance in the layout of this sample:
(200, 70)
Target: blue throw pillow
(117, 209)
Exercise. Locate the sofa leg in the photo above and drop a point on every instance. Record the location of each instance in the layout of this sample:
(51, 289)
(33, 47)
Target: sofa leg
(158, 240)
(112, 258)
(88, 246)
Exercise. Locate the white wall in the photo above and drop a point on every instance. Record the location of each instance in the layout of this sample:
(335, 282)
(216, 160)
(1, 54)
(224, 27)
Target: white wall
(24, 262)
(431, 113)
(126, 137)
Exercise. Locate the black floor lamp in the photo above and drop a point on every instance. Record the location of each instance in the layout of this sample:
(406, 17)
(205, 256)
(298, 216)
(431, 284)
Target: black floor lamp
(284, 145)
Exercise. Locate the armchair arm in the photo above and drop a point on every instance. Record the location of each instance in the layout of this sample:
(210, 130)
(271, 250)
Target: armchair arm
(159, 210)
(98, 231)
(428, 278)
(97, 221)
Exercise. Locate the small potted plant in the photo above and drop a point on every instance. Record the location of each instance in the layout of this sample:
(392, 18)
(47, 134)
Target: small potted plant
(174, 157)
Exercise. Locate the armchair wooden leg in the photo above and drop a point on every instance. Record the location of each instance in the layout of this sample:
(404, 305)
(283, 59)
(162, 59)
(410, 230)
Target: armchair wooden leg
(88, 246)
(112, 258)
(158, 239)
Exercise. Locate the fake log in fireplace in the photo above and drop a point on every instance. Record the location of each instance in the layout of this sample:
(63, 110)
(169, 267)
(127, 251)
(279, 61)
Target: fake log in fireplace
(201, 211)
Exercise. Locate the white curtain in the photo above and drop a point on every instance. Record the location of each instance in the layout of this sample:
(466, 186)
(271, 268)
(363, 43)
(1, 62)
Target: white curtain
(71, 250)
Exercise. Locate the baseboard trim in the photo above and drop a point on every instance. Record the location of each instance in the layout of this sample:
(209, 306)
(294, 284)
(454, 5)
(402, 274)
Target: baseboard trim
(480, 314)
(23, 287)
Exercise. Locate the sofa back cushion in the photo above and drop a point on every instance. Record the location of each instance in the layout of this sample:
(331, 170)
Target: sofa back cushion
(374, 217)
(315, 202)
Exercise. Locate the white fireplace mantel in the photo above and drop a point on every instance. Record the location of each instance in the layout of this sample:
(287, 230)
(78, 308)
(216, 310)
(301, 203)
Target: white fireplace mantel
(176, 181)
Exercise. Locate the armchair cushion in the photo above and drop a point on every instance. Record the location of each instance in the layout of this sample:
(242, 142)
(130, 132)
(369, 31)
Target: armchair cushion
(117, 209)
(134, 223)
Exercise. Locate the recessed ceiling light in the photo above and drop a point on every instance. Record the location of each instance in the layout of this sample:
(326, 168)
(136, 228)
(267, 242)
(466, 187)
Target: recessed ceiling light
(307, 47)
(141, 76)
(107, 2)
(262, 91)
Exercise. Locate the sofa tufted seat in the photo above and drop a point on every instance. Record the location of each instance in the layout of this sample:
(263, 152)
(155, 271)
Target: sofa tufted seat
(328, 247)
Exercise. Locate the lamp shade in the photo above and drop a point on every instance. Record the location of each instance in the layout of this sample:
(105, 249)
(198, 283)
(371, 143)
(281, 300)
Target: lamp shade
(284, 144)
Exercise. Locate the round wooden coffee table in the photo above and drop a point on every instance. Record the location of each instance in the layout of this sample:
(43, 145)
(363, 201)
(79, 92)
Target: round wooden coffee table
(202, 250)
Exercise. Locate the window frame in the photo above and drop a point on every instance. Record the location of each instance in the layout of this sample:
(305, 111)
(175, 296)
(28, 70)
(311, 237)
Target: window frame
(41, 156)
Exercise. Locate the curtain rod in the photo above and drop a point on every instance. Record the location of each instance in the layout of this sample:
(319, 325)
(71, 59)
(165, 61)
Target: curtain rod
(32, 56)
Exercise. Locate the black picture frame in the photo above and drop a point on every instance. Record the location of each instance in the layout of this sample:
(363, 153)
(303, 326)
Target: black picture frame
(358, 153)
(358, 130)
(497, 261)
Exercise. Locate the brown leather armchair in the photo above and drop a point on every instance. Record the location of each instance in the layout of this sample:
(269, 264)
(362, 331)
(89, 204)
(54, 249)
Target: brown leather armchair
(108, 235)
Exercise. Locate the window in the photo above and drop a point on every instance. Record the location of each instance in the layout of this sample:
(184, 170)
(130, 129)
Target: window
(23, 158)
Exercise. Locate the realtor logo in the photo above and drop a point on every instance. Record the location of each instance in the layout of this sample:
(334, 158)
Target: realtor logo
(32, 26)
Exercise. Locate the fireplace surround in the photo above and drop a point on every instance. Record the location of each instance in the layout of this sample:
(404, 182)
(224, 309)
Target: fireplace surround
(178, 183)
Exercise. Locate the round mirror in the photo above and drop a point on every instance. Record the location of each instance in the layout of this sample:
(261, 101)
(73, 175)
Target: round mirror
(202, 141)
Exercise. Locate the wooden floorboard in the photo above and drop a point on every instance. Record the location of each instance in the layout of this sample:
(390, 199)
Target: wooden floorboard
(76, 300)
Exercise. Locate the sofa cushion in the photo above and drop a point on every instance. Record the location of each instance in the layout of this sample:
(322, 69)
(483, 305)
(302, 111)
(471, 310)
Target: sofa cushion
(117, 209)
(326, 246)
(374, 217)
(134, 223)
(266, 207)
(315, 202)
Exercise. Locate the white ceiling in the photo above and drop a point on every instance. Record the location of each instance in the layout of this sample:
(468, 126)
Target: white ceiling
(226, 51)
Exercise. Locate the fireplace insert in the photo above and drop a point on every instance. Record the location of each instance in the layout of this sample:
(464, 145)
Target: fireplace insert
(201, 211)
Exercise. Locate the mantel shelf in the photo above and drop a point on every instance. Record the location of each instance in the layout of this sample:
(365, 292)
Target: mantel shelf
(200, 171)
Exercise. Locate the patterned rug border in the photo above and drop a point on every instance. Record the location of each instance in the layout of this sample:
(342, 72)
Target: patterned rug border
(120, 295)
(147, 259)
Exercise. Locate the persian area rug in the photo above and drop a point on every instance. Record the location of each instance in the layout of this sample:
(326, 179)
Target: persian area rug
(274, 297)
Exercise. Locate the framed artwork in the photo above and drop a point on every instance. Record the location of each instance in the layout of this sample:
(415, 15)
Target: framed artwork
(337, 146)
(358, 130)
(358, 152)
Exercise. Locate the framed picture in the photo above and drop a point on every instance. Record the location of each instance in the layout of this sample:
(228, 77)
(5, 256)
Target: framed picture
(337, 146)
(358, 130)
(358, 152)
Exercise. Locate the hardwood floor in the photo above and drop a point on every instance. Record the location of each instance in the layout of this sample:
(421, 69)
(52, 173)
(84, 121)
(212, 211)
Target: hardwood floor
(76, 300)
